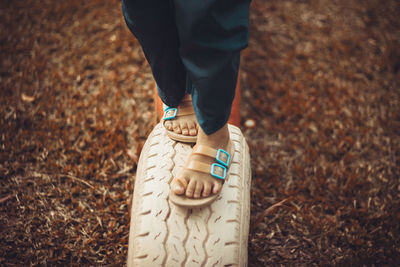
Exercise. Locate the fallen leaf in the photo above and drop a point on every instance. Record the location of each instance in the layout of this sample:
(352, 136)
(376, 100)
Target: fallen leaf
(27, 98)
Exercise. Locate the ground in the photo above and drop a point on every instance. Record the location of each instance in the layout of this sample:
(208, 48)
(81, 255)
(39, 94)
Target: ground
(320, 111)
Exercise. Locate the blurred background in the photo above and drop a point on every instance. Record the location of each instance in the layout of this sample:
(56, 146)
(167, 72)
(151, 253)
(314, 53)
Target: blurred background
(320, 111)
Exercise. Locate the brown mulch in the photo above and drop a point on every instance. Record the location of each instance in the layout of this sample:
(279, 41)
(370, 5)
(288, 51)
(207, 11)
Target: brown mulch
(320, 81)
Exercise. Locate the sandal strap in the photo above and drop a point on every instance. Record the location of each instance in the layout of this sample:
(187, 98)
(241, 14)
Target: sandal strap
(185, 108)
(220, 155)
(215, 169)
(172, 113)
(183, 111)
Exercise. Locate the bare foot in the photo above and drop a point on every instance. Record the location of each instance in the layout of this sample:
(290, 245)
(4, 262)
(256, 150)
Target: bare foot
(183, 124)
(199, 183)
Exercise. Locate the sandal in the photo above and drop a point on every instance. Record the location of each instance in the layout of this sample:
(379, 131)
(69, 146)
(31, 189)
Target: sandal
(219, 170)
(184, 109)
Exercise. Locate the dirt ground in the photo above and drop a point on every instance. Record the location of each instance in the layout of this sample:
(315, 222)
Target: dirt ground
(320, 111)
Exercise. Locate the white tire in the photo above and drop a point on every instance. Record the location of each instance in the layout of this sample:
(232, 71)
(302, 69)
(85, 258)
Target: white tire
(162, 234)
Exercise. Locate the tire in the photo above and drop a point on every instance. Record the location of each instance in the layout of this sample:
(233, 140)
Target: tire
(162, 234)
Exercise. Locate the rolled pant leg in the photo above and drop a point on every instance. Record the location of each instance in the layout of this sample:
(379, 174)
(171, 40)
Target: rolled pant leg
(212, 33)
(153, 24)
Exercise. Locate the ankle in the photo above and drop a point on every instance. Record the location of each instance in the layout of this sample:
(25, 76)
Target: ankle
(215, 139)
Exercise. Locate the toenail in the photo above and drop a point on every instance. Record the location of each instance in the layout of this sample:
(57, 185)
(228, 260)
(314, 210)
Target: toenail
(178, 187)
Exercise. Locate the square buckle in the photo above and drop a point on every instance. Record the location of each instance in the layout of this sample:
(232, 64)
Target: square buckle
(218, 171)
(170, 113)
(223, 157)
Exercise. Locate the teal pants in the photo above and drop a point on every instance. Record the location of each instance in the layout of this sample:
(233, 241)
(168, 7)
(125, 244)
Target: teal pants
(193, 46)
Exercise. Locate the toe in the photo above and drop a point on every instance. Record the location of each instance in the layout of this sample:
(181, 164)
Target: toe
(190, 189)
(185, 129)
(217, 187)
(197, 191)
(177, 187)
(168, 125)
(176, 127)
(192, 129)
(206, 189)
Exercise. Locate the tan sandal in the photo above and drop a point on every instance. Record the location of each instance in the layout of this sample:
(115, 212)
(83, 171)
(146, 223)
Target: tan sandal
(219, 170)
(184, 109)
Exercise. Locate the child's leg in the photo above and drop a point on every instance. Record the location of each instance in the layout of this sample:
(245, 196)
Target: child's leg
(153, 24)
(212, 34)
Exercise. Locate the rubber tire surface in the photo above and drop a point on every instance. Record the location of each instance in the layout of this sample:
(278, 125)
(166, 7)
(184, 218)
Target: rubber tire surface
(162, 234)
